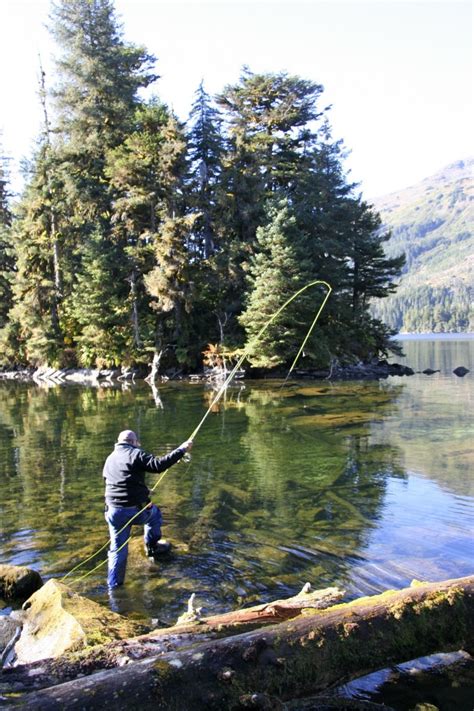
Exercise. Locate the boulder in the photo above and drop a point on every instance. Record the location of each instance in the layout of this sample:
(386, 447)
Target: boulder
(18, 582)
(430, 371)
(461, 371)
(8, 628)
(56, 620)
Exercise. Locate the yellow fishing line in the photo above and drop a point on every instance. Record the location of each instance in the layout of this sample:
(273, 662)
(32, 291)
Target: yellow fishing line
(259, 334)
(102, 562)
(213, 403)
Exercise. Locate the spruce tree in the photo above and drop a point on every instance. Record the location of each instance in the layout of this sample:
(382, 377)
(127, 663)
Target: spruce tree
(277, 271)
(7, 259)
(206, 147)
(96, 98)
(99, 315)
(170, 286)
(147, 172)
(271, 122)
(34, 330)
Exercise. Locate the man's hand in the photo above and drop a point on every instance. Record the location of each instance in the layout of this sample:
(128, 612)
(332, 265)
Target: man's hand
(187, 445)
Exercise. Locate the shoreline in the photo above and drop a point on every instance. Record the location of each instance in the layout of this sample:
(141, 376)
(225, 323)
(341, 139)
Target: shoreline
(376, 370)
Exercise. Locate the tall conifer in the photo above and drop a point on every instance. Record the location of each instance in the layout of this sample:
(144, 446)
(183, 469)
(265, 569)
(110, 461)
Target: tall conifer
(96, 98)
(7, 260)
(147, 172)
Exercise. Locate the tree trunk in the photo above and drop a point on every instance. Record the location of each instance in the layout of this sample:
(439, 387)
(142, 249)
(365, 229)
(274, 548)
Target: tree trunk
(291, 659)
(135, 325)
(190, 629)
(155, 366)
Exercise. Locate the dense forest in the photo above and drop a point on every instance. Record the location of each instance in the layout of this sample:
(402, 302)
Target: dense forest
(432, 224)
(138, 237)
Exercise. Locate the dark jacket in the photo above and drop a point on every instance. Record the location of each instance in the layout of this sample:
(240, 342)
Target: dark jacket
(124, 473)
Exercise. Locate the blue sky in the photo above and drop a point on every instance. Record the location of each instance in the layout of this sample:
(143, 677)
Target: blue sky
(398, 73)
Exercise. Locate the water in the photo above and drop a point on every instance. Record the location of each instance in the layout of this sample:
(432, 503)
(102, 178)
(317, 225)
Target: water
(363, 485)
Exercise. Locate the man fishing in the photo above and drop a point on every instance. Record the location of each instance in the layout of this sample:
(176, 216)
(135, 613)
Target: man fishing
(127, 500)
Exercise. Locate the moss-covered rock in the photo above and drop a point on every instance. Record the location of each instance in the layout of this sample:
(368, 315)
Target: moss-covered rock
(56, 620)
(18, 582)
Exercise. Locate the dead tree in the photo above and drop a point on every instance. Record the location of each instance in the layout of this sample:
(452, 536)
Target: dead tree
(294, 658)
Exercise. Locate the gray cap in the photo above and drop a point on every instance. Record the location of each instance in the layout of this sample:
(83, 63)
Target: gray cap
(128, 436)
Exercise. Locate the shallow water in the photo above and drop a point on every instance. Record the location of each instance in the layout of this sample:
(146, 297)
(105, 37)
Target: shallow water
(364, 485)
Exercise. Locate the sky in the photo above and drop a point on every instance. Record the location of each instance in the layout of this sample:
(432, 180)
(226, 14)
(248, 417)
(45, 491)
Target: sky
(398, 73)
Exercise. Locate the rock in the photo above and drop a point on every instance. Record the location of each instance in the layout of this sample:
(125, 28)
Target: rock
(429, 371)
(460, 371)
(398, 369)
(18, 582)
(8, 628)
(57, 620)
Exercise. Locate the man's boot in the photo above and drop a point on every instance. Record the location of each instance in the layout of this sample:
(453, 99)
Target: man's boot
(159, 550)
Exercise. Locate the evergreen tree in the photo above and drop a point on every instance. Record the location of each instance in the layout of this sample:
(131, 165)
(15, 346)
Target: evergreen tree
(170, 286)
(100, 76)
(7, 260)
(100, 314)
(147, 171)
(268, 118)
(206, 147)
(336, 238)
(33, 330)
(96, 99)
(277, 271)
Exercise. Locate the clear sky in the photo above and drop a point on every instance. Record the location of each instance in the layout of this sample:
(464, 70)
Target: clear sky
(398, 73)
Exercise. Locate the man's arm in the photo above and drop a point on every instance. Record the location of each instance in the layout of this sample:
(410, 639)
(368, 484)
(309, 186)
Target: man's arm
(150, 463)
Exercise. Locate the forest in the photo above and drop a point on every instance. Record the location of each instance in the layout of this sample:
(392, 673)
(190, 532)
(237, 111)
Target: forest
(140, 238)
(431, 223)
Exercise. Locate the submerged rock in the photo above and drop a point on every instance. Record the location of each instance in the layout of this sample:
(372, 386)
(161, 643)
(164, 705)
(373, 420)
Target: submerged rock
(461, 371)
(56, 620)
(18, 582)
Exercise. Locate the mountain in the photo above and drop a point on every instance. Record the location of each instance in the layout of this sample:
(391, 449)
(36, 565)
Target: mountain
(433, 224)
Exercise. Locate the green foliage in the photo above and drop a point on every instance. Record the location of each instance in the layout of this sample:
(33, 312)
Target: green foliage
(33, 329)
(432, 223)
(206, 148)
(276, 273)
(137, 236)
(7, 257)
(99, 305)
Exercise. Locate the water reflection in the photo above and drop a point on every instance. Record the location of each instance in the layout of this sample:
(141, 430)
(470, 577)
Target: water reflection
(286, 484)
(442, 354)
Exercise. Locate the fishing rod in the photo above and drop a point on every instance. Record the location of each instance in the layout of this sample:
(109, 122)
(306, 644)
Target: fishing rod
(215, 400)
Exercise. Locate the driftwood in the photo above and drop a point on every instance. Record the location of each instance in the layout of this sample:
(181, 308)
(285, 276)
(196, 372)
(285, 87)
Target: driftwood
(190, 629)
(294, 658)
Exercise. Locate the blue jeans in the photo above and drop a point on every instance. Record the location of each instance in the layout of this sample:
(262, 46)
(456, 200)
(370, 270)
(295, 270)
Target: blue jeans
(117, 519)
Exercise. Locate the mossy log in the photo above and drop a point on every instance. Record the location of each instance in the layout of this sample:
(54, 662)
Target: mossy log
(294, 658)
(190, 629)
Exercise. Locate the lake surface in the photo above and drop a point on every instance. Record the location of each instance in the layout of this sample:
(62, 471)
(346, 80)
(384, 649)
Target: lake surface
(363, 485)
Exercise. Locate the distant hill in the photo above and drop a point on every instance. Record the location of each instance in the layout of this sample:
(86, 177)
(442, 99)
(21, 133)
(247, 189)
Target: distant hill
(433, 223)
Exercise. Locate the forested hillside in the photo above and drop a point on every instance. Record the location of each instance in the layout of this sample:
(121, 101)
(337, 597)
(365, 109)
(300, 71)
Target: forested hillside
(433, 224)
(139, 238)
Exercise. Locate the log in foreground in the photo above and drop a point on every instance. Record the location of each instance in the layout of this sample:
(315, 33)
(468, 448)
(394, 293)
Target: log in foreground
(295, 658)
(189, 630)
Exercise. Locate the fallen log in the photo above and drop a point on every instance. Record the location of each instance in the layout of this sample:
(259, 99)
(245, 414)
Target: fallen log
(190, 629)
(295, 658)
